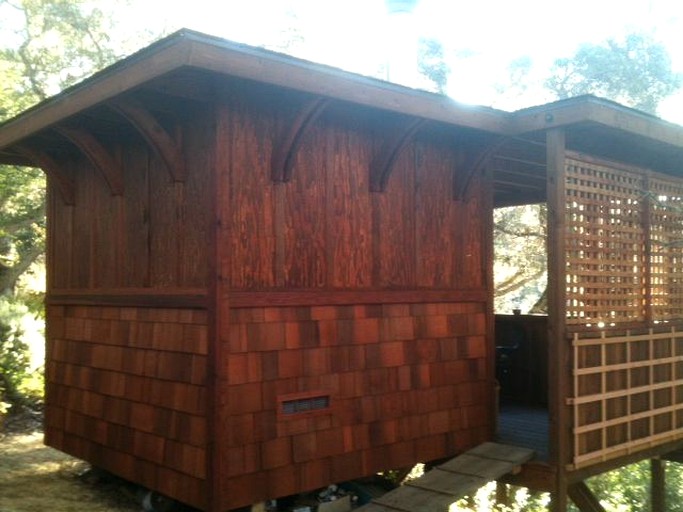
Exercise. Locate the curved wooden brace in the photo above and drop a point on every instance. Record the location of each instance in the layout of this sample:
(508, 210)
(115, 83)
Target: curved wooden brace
(284, 152)
(472, 165)
(383, 164)
(64, 183)
(155, 135)
(98, 155)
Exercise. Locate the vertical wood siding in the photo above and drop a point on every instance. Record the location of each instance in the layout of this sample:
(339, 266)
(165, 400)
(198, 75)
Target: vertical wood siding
(406, 381)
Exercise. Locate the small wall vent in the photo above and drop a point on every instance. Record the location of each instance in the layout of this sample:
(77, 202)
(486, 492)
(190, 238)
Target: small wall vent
(307, 404)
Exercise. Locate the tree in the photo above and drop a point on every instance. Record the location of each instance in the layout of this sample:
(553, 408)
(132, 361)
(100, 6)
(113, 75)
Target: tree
(520, 266)
(49, 45)
(635, 71)
(432, 65)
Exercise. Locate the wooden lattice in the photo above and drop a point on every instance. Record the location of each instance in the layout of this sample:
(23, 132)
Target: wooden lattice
(628, 393)
(605, 244)
(666, 239)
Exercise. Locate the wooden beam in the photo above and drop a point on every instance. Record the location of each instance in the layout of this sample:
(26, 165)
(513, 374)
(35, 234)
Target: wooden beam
(584, 498)
(98, 156)
(666, 451)
(62, 180)
(195, 298)
(382, 165)
(276, 298)
(657, 485)
(285, 151)
(155, 135)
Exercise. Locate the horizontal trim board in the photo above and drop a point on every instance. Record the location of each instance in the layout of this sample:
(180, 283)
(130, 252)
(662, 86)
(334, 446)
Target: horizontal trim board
(192, 298)
(242, 299)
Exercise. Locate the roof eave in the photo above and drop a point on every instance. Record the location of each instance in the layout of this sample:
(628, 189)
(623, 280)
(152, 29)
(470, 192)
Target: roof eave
(191, 49)
(595, 110)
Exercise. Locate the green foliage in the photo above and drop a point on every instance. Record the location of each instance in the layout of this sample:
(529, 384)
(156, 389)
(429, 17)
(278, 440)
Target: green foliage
(47, 46)
(635, 71)
(628, 488)
(14, 353)
(520, 267)
(22, 223)
(519, 499)
(54, 43)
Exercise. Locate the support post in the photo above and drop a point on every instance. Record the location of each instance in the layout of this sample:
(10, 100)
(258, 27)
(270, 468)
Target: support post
(502, 494)
(559, 370)
(584, 498)
(658, 485)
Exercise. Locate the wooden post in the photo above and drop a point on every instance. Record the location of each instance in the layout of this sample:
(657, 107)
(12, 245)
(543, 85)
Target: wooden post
(502, 494)
(657, 485)
(583, 498)
(558, 353)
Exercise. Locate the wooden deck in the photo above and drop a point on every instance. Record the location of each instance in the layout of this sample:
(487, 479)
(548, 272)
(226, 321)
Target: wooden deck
(525, 426)
(437, 489)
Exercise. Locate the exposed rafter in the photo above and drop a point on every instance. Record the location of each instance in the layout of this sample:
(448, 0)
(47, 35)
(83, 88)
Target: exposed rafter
(98, 156)
(474, 160)
(156, 136)
(61, 179)
(383, 164)
(285, 149)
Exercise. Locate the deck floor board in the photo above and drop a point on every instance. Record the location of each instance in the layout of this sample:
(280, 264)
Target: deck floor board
(525, 426)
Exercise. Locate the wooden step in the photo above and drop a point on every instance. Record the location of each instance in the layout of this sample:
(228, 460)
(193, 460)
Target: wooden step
(437, 489)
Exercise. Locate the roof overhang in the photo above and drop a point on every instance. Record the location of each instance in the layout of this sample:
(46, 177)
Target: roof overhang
(188, 49)
(583, 118)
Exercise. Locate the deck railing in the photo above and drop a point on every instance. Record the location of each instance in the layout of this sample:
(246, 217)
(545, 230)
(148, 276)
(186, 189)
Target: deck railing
(628, 392)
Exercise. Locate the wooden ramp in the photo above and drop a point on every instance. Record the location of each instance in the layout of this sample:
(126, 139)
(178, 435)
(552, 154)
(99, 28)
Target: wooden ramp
(437, 489)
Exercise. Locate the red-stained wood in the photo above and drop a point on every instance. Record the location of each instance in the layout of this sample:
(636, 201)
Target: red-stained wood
(558, 346)
(60, 225)
(192, 310)
(165, 200)
(348, 209)
(98, 155)
(303, 226)
(161, 141)
(196, 224)
(285, 149)
(135, 397)
(382, 165)
(81, 244)
(136, 260)
(252, 241)
(394, 229)
(135, 297)
(474, 159)
(436, 214)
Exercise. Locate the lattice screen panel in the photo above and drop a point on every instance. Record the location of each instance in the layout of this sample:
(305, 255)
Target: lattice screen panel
(628, 393)
(666, 260)
(605, 244)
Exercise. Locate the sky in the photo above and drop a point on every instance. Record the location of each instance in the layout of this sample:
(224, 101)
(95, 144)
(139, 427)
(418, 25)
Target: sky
(480, 37)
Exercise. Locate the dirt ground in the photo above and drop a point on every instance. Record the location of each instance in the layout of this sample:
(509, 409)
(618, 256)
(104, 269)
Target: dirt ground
(35, 478)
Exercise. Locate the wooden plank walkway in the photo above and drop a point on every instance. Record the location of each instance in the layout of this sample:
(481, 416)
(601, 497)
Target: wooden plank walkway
(437, 489)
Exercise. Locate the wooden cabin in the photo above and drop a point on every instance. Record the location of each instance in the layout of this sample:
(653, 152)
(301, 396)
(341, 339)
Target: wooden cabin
(266, 275)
